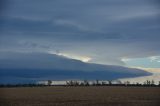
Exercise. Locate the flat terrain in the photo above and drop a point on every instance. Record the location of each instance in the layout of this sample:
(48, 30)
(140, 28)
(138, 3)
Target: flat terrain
(80, 96)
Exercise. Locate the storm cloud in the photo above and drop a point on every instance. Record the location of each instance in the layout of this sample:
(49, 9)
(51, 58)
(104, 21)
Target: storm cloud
(31, 67)
(106, 31)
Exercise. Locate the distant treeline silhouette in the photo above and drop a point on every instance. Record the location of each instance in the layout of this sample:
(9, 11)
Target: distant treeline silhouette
(103, 83)
(147, 83)
(21, 85)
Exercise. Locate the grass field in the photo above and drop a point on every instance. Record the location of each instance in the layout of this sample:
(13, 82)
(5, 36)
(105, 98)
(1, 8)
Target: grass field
(80, 96)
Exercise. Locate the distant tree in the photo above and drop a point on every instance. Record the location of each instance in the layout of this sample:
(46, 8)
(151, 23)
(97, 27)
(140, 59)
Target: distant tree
(110, 82)
(69, 83)
(86, 83)
(103, 83)
(49, 82)
(118, 82)
(145, 83)
(137, 83)
(76, 83)
(97, 82)
(148, 82)
(127, 83)
(93, 83)
(81, 84)
(152, 82)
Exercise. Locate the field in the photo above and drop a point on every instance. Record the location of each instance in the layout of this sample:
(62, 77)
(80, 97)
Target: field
(80, 96)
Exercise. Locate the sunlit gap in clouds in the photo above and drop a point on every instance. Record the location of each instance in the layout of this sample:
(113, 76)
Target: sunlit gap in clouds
(72, 56)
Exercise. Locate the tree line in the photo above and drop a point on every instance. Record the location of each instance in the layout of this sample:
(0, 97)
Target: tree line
(110, 83)
(147, 83)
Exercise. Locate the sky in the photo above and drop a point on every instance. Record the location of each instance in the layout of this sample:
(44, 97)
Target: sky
(111, 32)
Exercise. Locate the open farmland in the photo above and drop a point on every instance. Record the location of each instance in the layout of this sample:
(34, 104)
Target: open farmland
(80, 96)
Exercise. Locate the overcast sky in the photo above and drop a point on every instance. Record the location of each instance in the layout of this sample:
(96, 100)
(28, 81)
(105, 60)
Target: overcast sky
(116, 32)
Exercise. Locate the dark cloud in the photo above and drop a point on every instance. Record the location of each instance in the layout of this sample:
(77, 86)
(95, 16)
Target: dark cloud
(3, 6)
(105, 30)
(40, 66)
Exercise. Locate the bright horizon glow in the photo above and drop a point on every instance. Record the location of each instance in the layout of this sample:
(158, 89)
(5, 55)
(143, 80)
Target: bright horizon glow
(73, 56)
(151, 70)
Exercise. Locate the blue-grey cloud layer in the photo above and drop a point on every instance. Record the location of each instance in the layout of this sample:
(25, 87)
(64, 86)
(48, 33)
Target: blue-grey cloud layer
(29, 67)
(105, 30)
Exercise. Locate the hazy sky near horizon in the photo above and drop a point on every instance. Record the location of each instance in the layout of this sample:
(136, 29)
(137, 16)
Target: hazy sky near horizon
(115, 32)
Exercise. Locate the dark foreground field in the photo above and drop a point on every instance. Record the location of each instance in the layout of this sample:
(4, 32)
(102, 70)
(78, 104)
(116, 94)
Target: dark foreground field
(80, 96)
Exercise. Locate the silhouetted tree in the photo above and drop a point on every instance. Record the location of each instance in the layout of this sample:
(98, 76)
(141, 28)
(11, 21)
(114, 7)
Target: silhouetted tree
(81, 84)
(93, 83)
(70, 83)
(75, 83)
(110, 82)
(97, 82)
(152, 82)
(119, 82)
(103, 83)
(127, 83)
(49, 82)
(145, 83)
(148, 82)
(86, 83)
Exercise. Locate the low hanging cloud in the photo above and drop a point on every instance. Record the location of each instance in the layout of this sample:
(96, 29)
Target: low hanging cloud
(23, 67)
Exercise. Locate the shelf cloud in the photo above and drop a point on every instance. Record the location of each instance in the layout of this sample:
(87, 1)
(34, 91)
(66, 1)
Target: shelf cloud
(108, 32)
